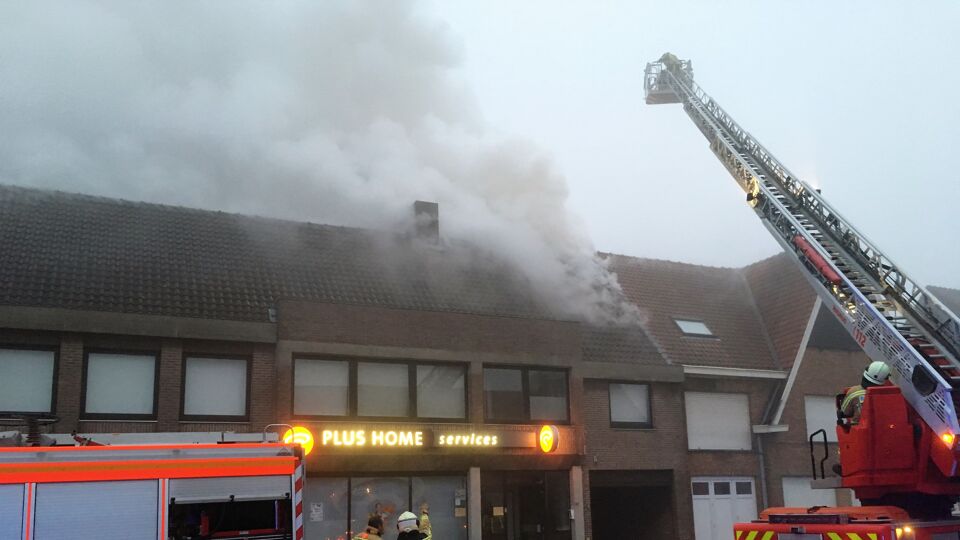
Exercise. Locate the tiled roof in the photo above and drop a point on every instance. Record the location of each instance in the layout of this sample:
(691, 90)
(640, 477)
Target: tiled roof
(92, 253)
(719, 297)
(784, 299)
(619, 344)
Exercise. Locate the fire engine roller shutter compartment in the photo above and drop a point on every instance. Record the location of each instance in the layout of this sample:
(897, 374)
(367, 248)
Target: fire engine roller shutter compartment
(360, 470)
(103, 510)
(11, 511)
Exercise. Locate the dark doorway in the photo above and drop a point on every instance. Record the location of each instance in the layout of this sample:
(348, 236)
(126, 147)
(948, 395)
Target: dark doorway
(525, 505)
(631, 511)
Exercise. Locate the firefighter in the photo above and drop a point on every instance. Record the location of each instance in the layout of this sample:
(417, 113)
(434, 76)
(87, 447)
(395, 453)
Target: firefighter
(409, 527)
(876, 374)
(374, 530)
(425, 527)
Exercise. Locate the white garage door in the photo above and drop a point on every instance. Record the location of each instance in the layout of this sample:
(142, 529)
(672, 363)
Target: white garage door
(11, 511)
(102, 510)
(797, 492)
(718, 503)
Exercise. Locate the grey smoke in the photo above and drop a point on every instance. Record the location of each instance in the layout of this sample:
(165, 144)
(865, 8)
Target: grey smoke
(333, 112)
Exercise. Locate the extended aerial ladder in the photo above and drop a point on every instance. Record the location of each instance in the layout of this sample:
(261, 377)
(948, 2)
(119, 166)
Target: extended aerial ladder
(890, 315)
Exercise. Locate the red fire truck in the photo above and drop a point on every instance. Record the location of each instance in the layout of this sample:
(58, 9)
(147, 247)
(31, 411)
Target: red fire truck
(901, 457)
(227, 488)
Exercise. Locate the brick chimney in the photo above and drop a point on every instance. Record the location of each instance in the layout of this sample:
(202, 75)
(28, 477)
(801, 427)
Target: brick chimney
(427, 221)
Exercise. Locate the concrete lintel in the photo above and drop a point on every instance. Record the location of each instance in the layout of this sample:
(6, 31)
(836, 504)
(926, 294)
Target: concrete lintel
(416, 353)
(715, 371)
(767, 428)
(631, 372)
(104, 322)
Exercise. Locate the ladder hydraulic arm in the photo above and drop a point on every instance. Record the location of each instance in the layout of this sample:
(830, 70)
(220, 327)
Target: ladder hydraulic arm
(891, 316)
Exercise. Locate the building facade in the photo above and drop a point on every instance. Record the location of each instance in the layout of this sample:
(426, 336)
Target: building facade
(425, 376)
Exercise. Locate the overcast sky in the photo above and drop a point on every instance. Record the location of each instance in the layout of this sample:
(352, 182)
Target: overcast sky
(525, 120)
(859, 98)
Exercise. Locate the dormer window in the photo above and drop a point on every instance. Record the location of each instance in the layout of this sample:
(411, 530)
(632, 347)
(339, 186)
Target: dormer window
(693, 328)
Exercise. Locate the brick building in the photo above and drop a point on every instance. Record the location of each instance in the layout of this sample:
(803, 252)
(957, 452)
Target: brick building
(424, 370)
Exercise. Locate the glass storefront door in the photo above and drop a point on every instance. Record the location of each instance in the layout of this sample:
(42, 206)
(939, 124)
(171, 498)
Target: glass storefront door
(525, 505)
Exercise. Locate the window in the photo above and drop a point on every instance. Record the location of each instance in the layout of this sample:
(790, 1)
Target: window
(328, 387)
(503, 394)
(525, 394)
(693, 328)
(821, 413)
(717, 421)
(630, 405)
(383, 389)
(441, 391)
(321, 387)
(215, 387)
(120, 385)
(26, 380)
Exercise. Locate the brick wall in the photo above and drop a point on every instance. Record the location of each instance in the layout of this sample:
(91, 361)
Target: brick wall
(70, 349)
(664, 447)
(823, 373)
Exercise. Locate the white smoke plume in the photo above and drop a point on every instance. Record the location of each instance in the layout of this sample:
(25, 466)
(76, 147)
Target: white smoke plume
(337, 112)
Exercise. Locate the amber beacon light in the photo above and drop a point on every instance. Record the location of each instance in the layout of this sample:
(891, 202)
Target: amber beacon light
(549, 439)
(299, 435)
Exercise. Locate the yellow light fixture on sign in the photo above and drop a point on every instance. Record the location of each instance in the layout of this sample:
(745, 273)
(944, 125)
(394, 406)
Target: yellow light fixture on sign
(299, 435)
(549, 439)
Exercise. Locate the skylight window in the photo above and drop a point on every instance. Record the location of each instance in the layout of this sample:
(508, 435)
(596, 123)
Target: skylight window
(693, 328)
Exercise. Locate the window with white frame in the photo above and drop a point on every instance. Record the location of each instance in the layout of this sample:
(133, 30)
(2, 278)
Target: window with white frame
(215, 387)
(629, 405)
(693, 327)
(26, 380)
(717, 421)
(821, 413)
(120, 385)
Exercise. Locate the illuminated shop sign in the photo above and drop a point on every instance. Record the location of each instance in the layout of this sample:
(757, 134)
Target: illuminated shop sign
(431, 438)
(362, 437)
(471, 439)
(549, 439)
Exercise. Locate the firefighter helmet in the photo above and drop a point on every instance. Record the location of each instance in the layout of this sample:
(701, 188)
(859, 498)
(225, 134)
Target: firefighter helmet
(877, 373)
(407, 522)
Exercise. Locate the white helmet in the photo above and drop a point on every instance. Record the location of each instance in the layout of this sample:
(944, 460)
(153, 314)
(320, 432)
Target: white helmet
(407, 522)
(877, 373)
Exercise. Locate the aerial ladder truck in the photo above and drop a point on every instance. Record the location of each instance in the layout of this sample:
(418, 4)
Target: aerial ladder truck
(901, 458)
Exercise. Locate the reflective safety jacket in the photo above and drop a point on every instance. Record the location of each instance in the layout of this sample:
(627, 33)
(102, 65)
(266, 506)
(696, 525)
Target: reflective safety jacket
(369, 534)
(853, 403)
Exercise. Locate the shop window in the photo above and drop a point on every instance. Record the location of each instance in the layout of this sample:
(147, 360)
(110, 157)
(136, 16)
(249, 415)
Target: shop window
(215, 387)
(384, 497)
(383, 389)
(717, 421)
(693, 328)
(26, 380)
(341, 507)
(326, 508)
(630, 405)
(444, 498)
(441, 391)
(821, 413)
(359, 388)
(321, 387)
(120, 385)
(525, 394)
